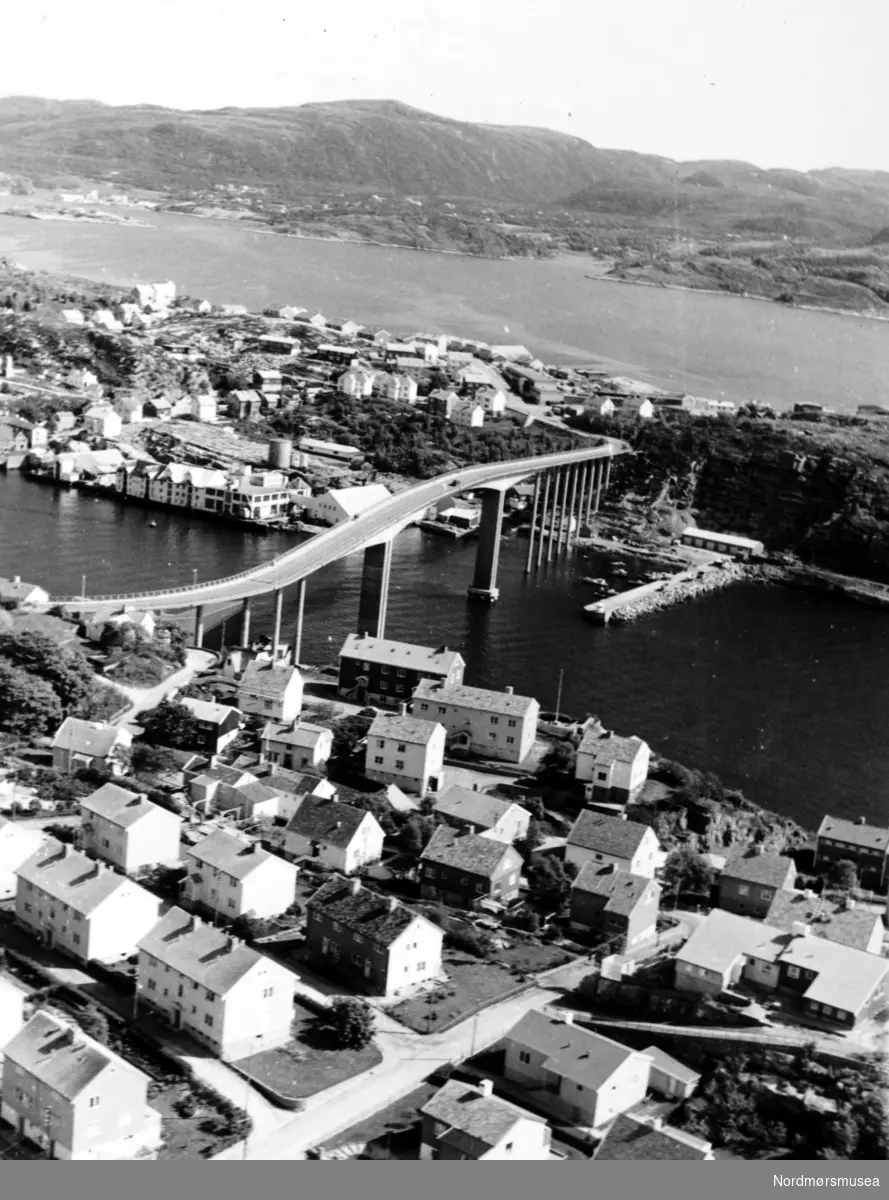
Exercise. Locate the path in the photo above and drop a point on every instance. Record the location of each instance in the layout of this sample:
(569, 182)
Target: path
(143, 699)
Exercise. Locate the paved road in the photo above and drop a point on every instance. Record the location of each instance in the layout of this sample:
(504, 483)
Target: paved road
(143, 699)
(373, 526)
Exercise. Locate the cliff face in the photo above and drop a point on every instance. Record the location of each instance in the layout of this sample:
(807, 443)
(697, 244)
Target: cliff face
(821, 490)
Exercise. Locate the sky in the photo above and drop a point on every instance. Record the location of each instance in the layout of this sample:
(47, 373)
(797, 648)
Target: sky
(793, 83)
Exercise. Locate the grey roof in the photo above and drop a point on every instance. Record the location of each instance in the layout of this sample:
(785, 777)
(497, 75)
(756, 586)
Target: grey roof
(258, 792)
(269, 682)
(199, 951)
(573, 1053)
(222, 773)
(620, 891)
(403, 729)
(629, 1138)
(400, 654)
(768, 870)
(476, 808)
(62, 1057)
(671, 1066)
(469, 852)
(209, 710)
(845, 978)
(325, 820)
(722, 937)
(235, 855)
(74, 879)
(120, 806)
(382, 919)
(16, 589)
(606, 834)
(865, 837)
(505, 704)
(86, 737)
(608, 747)
(300, 733)
(467, 1111)
(851, 927)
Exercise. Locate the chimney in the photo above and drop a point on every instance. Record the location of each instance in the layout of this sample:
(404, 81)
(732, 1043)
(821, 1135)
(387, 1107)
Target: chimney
(486, 1087)
(510, 690)
(339, 824)
(657, 1123)
(756, 851)
(402, 709)
(568, 1017)
(861, 821)
(16, 579)
(392, 903)
(475, 787)
(354, 886)
(800, 929)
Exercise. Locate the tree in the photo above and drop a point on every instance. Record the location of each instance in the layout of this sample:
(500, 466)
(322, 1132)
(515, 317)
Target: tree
(28, 704)
(559, 762)
(349, 1023)
(687, 871)
(171, 724)
(532, 839)
(152, 760)
(549, 881)
(416, 833)
(66, 670)
(347, 733)
(843, 875)
(66, 834)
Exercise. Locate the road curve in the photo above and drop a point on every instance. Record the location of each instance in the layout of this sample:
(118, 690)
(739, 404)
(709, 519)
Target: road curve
(348, 537)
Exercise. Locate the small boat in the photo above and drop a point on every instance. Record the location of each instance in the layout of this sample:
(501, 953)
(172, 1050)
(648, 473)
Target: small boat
(619, 571)
(152, 524)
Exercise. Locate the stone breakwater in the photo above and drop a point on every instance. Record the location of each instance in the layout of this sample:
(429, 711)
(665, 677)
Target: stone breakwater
(687, 586)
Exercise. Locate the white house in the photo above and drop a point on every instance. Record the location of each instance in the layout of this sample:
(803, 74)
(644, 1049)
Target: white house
(232, 876)
(75, 1098)
(493, 400)
(12, 1010)
(499, 725)
(480, 812)
(401, 387)
(613, 769)
(342, 504)
(272, 690)
(467, 412)
(406, 751)
(357, 383)
(226, 995)
(18, 843)
(79, 744)
(296, 746)
(467, 1122)
(603, 839)
(638, 404)
(127, 830)
(81, 906)
(203, 408)
(19, 594)
(337, 835)
(102, 421)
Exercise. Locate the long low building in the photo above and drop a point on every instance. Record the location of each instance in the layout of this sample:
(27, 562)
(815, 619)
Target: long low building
(721, 543)
(497, 725)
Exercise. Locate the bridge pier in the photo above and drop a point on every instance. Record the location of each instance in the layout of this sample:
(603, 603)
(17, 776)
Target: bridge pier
(572, 534)
(546, 486)
(276, 625)
(298, 629)
(245, 621)
(552, 514)
(487, 558)
(530, 558)
(199, 626)
(374, 600)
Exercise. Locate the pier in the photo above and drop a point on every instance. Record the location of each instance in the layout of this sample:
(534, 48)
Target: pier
(662, 593)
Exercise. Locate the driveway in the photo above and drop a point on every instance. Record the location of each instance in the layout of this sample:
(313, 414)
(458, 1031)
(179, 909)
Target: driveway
(143, 699)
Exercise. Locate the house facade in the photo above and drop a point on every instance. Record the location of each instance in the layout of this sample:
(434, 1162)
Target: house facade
(612, 769)
(378, 671)
(371, 941)
(748, 885)
(218, 724)
(342, 504)
(18, 843)
(407, 752)
(79, 744)
(463, 869)
(467, 1122)
(338, 835)
(616, 906)
(271, 690)
(226, 995)
(296, 746)
(75, 1098)
(472, 811)
(232, 876)
(497, 725)
(125, 829)
(867, 846)
(608, 840)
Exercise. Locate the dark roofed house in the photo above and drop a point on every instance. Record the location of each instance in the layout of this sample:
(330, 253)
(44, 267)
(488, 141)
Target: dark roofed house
(338, 835)
(378, 671)
(463, 869)
(603, 839)
(467, 1122)
(372, 941)
(615, 905)
(865, 845)
(630, 1137)
(749, 884)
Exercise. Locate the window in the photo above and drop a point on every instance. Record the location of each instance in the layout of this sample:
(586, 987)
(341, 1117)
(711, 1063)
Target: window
(365, 666)
(94, 1101)
(743, 889)
(421, 966)
(208, 1020)
(384, 670)
(399, 764)
(76, 937)
(152, 986)
(105, 843)
(793, 972)
(492, 736)
(424, 708)
(510, 741)
(210, 995)
(508, 1146)
(401, 672)
(268, 705)
(495, 720)
(358, 939)
(336, 927)
(765, 894)
(378, 759)
(511, 724)
(401, 748)
(384, 686)
(826, 1009)
(380, 743)
(231, 902)
(267, 993)
(442, 712)
(27, 908)
(399, 687)
(524, 1056)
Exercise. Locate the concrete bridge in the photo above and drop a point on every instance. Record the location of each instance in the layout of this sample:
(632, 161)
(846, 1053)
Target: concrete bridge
(569, 485)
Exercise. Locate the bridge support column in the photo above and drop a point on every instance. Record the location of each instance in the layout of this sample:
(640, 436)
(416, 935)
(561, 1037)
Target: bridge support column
(276, 625)
(245, 622)
(563, 511)
(487, 558)
(584, 504)
(199, 626)
(552, 514)
(374, 599)
(599, 475)
(530, 558)
(572, 533)
(594, 478)
(298, 629)
(546, 486)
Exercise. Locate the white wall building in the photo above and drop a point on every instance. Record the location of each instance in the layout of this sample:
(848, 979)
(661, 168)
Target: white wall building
(18, 843)
(342, 504)
(127, 830)
(296, 746)
(604, 839)
(406, 751)
(232, 876)
(271, 690)
(498, 725)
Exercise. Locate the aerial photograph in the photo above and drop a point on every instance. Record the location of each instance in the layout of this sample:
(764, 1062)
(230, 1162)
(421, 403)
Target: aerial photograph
(444, 588)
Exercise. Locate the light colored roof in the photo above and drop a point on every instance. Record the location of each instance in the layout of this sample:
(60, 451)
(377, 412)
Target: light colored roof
(120, 806)
(404, 729)
(866, 837)
(851, 927)
(608, 747)
(506, 704)
(722, 936)
(234, 855)
(62, 1057)
(18, 842)
(209, 710)
(17, 589)
(620, 891)
(469, 852)
(476, 808)
(575, 1054)
(730, 539)
(606, 834)
(401, 654)
(671, 1066)
(310, 444)
(266, 680)
(769, 870)
(467, 1111)
(94, 738)
(74, 879)
(359, 499)
(302, 734)
(202, 953)
(846, 978)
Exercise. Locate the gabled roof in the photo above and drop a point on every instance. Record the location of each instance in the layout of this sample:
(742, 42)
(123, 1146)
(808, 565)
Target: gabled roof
(401, 654)
(469, 852)
(267, 681)
(330, 821)
(404, 729)
(302, 733)
(865, 837)
(88, 737)
(845, 978)
(505, 704)
(722, 937)
(209, 710)
(466, 1110)
(223, 773)
(620, 891)
(606, 834)
(201, 952)
(768, 870)
(62, 1057)
(575, 1054)
(850, 927)
(476, 808)
(354, 500)
(671, 1066)
(379, 918)
(74, 879)
(629, 1138)
(120, 806)
(608, 747)
(17, 589)
(234, 855)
